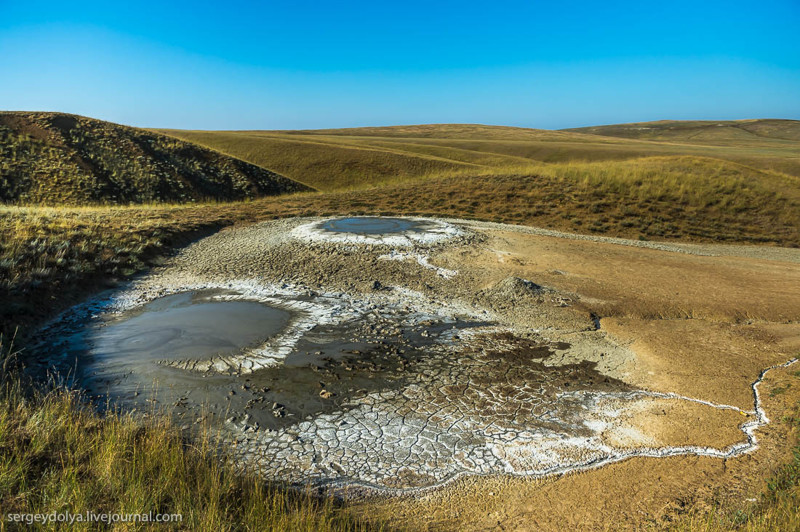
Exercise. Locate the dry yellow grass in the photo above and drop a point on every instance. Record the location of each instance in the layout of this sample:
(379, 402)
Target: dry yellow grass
(61, 159)
(57, 454)
(364, 157)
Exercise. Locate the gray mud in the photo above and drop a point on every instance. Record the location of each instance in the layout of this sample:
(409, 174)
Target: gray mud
(337, 352)
(184, 325)
(131, 358)
(365, 225)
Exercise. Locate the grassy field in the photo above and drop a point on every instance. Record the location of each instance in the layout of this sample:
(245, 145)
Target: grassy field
(722, 132)
(671, 188)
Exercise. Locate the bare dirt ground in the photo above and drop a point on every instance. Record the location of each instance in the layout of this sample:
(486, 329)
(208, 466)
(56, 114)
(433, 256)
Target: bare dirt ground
(702, 321)
(698, 322)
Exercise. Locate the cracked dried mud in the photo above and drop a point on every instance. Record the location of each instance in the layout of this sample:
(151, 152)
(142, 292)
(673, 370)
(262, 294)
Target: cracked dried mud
(398, 355)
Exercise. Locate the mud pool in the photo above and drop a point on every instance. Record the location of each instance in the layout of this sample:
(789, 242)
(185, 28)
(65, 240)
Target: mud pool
(159, 355)
(307, 378)
(397, 232)
(373, 226)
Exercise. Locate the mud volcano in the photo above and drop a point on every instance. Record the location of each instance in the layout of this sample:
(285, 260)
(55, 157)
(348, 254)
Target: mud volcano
(185, 325)
(264, 362)
(373, 226)
(378, 230)
(306, 378)
(384, 391)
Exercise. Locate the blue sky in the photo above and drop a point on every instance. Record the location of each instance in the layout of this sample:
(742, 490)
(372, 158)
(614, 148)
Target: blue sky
(302, 64)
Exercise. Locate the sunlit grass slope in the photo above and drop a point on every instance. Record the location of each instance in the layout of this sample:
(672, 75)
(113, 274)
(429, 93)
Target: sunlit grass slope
(367, 157)
(59, 159)
(703, 131)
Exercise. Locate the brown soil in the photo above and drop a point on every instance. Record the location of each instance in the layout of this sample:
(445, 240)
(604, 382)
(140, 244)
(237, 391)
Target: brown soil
(694, 325)
(699, 326)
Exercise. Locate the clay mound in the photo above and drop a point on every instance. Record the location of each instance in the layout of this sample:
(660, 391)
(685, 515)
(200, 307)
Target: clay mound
(515, 289)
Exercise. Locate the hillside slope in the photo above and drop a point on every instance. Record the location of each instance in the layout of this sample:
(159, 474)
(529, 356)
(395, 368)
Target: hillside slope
(445, 131)
(702, 131)
(56, 158)
(336, 159)
(323, 162)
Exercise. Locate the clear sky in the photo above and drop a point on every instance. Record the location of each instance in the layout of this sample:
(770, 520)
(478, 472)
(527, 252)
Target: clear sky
(302, 64)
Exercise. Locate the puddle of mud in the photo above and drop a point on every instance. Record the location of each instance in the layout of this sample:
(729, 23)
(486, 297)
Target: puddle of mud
(371, 230)
(126, 359)
(374, 226)
(386, 396)
(187, 325)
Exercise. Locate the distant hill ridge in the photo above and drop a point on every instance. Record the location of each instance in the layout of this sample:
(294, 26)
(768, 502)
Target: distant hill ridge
(365, 157)
(772, 128)
(442, 131)
(700, 130)
(58, 158)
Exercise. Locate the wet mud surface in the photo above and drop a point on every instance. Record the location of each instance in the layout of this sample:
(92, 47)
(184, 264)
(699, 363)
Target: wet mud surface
(374, 226)
(139, 357)
(314, 361)
(370, 230)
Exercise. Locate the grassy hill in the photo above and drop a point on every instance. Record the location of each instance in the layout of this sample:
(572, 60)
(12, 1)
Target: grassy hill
(61, 159)
(561, 179)
(576, 181)
(702, 131)
(356, 158)
(442, 131)
(323, 162)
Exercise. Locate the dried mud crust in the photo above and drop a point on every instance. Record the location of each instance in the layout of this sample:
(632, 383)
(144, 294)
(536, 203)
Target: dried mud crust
(540, 389)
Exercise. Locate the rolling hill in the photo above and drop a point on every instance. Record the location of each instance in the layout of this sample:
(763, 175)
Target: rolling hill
(57, 159)
(702, 131)
(335, 159)
(584, 182)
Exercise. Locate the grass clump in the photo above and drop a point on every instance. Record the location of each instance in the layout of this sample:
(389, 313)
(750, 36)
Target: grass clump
(58, 455)
(779, 390)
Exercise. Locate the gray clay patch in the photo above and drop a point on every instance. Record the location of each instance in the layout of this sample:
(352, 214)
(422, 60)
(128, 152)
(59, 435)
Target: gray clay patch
(374, 226)
(377, 230)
